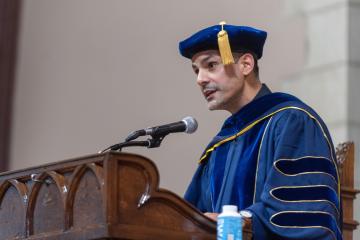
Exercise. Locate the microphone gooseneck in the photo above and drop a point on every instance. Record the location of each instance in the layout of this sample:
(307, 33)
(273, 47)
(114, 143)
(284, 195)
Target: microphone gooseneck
(187, 125)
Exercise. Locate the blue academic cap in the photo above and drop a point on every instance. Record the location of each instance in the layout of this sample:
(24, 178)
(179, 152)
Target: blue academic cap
(240, 38)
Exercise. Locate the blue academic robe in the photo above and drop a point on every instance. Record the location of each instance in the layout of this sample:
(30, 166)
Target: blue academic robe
(275, 158)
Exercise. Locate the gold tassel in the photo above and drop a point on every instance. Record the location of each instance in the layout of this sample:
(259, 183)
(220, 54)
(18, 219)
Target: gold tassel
(224, 46)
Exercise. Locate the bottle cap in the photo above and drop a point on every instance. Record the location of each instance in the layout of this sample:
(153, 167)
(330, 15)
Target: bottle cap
(230, 208)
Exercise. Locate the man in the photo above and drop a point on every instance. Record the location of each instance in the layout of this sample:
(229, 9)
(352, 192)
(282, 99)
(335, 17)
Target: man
(273, 157)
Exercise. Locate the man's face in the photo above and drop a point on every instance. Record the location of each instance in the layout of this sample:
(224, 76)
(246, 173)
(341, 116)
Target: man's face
(222, 86)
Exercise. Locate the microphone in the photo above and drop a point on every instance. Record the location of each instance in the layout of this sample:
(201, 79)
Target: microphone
(188, 125)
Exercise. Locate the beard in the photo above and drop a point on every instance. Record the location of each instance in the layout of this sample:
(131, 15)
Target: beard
(214, 102)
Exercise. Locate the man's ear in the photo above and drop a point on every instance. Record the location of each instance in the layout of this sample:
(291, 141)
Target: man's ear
(246, 63)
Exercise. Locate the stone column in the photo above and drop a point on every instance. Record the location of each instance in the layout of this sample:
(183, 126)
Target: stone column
(330, 79)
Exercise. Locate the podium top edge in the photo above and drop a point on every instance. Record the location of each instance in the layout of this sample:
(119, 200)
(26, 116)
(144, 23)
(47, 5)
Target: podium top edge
(95, 157)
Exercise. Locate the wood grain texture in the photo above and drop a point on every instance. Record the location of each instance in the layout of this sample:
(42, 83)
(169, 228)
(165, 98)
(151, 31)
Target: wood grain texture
(103, 196)
(345, 156)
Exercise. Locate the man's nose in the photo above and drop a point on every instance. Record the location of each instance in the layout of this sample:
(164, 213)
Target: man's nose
(202, 78)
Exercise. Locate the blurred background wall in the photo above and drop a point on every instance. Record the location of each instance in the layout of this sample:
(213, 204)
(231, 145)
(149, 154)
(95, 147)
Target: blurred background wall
(89, 72)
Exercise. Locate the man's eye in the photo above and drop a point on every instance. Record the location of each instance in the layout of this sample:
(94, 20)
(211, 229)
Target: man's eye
(212, 64)
(196, 71)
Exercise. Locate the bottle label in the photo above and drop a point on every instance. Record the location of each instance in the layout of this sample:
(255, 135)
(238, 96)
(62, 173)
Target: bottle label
(229, 228)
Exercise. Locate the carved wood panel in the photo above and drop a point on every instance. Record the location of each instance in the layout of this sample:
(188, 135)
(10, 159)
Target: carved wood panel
(346, 159)
(51, 202)
(112, 196)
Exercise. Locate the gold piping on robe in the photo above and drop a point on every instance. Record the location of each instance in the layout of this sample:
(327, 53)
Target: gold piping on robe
(251, 125)
(313, 212)
(303, 173)
(257, 163)
(305, 201)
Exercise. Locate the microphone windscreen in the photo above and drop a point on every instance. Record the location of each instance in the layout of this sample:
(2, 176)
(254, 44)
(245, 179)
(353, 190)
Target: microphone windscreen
(191, 124)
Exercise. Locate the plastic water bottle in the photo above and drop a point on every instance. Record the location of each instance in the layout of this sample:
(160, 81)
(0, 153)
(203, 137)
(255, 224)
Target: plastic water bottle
(229, 225)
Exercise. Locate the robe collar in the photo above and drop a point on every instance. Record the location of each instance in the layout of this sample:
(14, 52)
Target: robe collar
(237, 119)
(264, 103)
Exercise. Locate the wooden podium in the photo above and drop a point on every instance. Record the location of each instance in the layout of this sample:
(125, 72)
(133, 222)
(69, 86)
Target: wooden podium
(104, 196)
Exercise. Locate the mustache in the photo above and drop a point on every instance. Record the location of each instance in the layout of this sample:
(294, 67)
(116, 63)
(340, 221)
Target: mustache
(210, 87)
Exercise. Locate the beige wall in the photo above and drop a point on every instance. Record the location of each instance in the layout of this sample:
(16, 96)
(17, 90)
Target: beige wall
(90, 72)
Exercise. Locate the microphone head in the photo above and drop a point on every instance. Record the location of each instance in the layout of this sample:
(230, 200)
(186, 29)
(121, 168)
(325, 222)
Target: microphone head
(190, 123)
